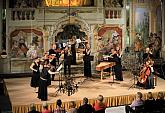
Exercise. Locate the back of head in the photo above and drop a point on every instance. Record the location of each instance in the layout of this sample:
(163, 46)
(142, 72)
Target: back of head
(59, 102)
(100, 98)
(85, 100)
(160, 95)
(45, 105)
(149, 95)
(32, 107)
(139, 95)
(72, 104)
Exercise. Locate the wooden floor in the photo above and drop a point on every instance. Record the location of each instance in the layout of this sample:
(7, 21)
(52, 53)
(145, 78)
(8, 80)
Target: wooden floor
(21, 93)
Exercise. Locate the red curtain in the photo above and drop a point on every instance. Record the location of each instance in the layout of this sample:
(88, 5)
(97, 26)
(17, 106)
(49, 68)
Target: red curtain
(16, 32)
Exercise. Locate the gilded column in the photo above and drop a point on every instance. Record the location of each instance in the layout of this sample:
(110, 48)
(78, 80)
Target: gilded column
(163, 28)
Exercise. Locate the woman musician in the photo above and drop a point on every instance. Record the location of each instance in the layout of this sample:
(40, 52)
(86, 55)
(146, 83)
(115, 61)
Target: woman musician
(146, 78)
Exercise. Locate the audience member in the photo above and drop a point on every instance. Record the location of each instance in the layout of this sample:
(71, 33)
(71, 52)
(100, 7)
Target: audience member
(33, 109)
(86, 108)
(59, 108)
(135, 103)
(160, 101)
(149, 103)
(72, 108)
(100, 105)
(45, 108)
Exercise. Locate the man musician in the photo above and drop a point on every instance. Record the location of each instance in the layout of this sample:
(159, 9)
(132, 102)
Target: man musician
(67, 61)
(54, 54)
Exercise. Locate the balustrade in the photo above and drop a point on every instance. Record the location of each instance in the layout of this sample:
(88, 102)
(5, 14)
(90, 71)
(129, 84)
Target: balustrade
(113, 13)
(23, 14)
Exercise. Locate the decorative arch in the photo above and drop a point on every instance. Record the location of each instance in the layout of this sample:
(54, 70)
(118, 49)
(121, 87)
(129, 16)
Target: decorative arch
(85, 27)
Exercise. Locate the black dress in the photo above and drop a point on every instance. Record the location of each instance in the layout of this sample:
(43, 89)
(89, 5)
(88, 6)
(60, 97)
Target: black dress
(117, 67)
(73, 50)
(36, 76)
(87, 64)
(42, 90)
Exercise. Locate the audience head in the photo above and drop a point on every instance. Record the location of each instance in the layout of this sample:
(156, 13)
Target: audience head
(139, 95)
(59, 102)
(32, 107)
(85, 100)
(72, 104)
(149, 95)
(45, 105)
(160, 95)
(100, 98)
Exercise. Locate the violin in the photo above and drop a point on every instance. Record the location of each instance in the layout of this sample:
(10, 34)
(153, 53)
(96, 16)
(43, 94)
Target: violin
(58, 50)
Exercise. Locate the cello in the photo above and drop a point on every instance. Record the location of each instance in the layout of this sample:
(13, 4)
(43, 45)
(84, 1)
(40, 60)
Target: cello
(145, 72)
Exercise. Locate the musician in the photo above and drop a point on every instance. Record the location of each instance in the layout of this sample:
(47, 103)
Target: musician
(36, 73)
(147, 54)
(67, 61)
(146, 78)
(43, 83)
(87, 62)
(73, 49)
(118, 67)
(151, 77)
(53, 57)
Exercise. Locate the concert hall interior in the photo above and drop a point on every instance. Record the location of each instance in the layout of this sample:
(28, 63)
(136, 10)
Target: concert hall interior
(107, 51)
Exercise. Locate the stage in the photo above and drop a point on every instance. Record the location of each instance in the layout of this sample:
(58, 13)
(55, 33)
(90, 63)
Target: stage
(117, 93)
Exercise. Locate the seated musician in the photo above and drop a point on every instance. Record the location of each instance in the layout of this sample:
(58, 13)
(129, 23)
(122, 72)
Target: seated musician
(147, 54)
(118, 67)
(146, 78)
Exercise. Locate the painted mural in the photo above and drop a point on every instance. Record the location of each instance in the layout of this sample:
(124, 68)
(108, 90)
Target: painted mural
(26, 43)
(108, 38)
(142, 24)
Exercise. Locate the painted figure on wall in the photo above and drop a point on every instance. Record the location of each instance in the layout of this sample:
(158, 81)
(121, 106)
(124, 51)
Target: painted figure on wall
(26, 44)
(110, 38)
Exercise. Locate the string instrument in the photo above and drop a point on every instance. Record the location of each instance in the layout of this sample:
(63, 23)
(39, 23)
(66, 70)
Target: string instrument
(144, 73)
(58, 50)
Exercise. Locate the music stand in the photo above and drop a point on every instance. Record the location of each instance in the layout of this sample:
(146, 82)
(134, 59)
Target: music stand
(58, 71)
(134, 73)
(134, 70)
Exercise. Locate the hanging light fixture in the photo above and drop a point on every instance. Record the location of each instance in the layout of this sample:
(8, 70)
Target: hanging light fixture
(44, 27)
(69, 11)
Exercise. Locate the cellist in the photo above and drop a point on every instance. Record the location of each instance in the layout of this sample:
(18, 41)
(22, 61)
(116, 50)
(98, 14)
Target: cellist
(146, 78)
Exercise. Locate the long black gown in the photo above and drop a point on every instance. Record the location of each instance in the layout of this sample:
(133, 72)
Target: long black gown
(87, 65)
(42, 90)
(36, 76)
(117, 67)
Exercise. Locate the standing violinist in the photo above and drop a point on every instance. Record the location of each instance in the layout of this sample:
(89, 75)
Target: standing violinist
(67, 61)
(54, 57)
(118, 67)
